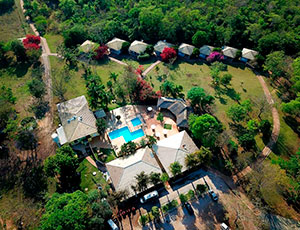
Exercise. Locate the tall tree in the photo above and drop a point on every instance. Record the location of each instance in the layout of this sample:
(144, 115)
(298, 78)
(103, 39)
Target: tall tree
(199, 99)
(142, 181)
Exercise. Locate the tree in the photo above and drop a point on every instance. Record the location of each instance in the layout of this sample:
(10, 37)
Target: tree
(26, 140)
(5, 5)
(275, 64)
(67, 7)
(155, 213)
(150, 140)
(155, 178)
(113, 76)
(98, 96)
(204, 155)
(75, 35)
(205, 128)
(226, 79)
(63, 166)
(144, 92)
(247, 141)
(101, 211)
(199, 99)
(115, 198)
(200, 38)
(168, 88)
(100, 52)
(168, 55)
(175, 168)
(67, 211)
(215, 56)
(18, 49)
(160, 117)
(238, 113)
(128, 148)
(101, 125)
(265, 128)
(142, 181)
(191, 160)
(37, 88)
(164, 177)
(59, 87)
(292, 107)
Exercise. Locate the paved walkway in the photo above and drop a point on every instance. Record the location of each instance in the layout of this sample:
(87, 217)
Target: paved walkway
(117, 61)
(91, 161)
(150, 68)
(274, 136)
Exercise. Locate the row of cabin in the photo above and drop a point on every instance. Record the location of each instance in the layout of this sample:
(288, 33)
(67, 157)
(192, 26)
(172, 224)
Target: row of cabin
(184, 50)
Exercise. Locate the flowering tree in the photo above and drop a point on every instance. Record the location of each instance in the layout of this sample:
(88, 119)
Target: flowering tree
(100, 52)
(32, 42)
(168, 54)
(215, 56)
(139, 70)
(144, 91)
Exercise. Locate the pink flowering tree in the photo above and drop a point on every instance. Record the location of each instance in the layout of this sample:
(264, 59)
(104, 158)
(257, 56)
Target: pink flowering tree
(215, 56)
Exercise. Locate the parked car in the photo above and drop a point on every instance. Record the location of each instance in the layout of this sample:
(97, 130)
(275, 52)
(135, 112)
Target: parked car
(213, 195)
(149, 196)
(224, 227)
(112, 225)
(189, 208)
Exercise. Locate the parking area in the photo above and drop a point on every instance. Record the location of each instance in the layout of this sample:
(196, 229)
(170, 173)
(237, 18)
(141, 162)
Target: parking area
(208, 214)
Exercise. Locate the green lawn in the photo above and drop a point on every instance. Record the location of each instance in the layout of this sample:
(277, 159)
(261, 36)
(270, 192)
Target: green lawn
(136, 63)
(109, 155)
(197, 74)
(87, 179)
(13, 24)
(19, 86)
(54, 40)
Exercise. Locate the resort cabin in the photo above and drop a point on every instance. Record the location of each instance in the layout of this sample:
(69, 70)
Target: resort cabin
(205, 51)
(185, 50)
(229, 52)
(77, 121)
(177, 107)
(159, 47)
(248, 54)
(88, 46)
(115, 45)
(137, 47)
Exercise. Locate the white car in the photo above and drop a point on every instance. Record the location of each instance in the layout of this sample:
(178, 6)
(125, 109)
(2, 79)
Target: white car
(149, 196)
(224, 227)
(213, 195)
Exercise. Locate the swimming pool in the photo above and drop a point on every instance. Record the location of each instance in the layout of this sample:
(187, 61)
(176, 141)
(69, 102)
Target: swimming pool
(127, 135)
(136, 121)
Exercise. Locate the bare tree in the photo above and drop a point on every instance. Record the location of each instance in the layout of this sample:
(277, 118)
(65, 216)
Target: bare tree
(261, 104)
(59, 86)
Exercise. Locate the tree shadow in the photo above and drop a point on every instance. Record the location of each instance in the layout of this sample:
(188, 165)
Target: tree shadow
(19, 69)
(293, 124)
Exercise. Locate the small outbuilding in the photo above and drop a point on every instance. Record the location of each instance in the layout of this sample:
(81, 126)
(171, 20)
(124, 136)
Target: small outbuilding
(159, 47)
(185, 50)
(229, 52)
(205, 51)
(115, 45)
(88, 46)
(248, 54)
(137, 47)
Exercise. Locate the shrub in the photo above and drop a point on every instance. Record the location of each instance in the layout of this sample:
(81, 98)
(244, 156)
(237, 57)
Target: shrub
(191, 194)
(169, 206)
(164, 177)
(144, 219)
(196, 52)
(31, 41)
(26, 140)
(125, 47)
(143, 57)
(40, 109)
(149, 49)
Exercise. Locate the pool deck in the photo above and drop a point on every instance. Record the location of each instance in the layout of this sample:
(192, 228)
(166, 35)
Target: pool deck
(129, 112)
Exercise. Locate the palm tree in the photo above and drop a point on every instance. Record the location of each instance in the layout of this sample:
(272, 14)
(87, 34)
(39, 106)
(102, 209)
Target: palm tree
(191, 160)
(155, 178)
(142, 181)
(151, 140)
(113, 76)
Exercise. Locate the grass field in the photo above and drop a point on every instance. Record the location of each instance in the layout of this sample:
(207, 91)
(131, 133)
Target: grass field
(53, 40)
(19, 86)
(197, 74)
(87, 179)
(13, 24)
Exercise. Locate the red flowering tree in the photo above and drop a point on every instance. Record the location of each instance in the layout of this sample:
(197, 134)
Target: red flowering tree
(139, 70)
(32, 46)
(32, 42)
(168, 54)
(144, 91)
(215, 56)
(100, 52)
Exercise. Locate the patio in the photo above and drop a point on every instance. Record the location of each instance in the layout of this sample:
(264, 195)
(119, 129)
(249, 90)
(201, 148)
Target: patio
(150, 125)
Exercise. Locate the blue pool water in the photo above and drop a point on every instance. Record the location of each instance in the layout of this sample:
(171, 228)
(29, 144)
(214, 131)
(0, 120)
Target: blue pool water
(127, 135)
(136, 121)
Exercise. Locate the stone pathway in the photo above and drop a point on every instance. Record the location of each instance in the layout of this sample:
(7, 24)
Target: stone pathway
(274, 136)
(150, 68)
